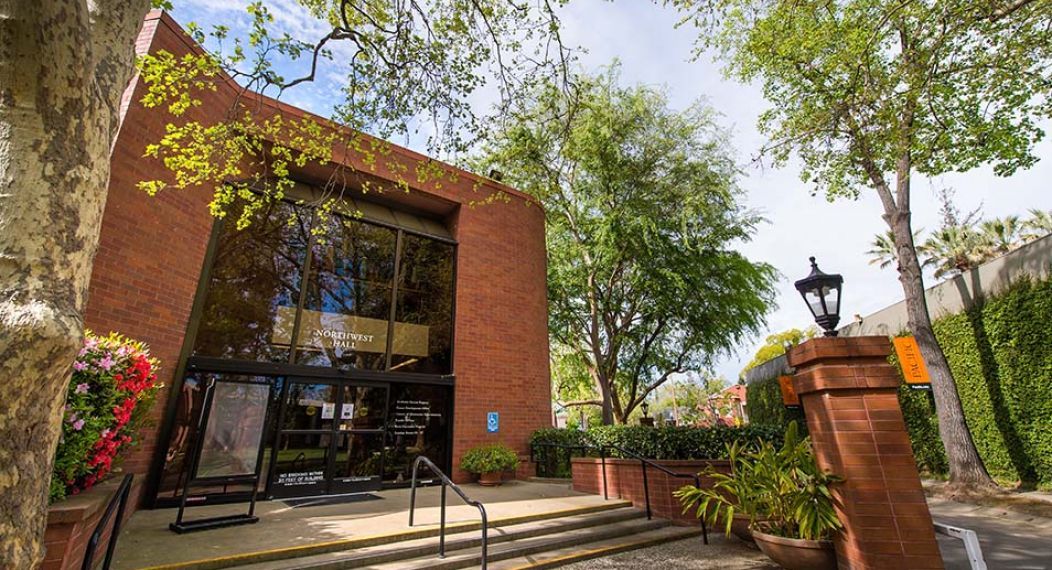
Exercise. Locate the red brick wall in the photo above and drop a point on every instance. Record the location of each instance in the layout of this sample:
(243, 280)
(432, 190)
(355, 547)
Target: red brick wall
(849, 393)
(624, 479)
(71, 523)
(151, 253)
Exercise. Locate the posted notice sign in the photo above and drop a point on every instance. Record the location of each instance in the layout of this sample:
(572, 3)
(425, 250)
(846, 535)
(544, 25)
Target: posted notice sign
(913, 368)
(789, 397)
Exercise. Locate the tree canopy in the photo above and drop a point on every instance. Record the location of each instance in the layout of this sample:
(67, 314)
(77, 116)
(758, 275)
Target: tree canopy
(869, 93)
(643, 216)
(775, 345)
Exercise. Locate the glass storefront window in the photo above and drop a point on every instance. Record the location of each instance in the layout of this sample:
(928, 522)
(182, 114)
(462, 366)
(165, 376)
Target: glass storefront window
(348, 301)
(254, 287)
(418, 421)
(424, 309)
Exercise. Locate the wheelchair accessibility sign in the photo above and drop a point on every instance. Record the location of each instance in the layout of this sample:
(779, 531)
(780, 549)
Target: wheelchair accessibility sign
(492, 422)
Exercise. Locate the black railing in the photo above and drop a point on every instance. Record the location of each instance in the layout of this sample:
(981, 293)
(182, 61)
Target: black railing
(446, 482)
(115, 506)
(601, 449)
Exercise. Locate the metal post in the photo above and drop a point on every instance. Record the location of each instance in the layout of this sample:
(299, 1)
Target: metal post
(125, 490)
(646, 488)
(704, 531)
(442, 529)
(602, 459)
(485, 536)
(412, 493)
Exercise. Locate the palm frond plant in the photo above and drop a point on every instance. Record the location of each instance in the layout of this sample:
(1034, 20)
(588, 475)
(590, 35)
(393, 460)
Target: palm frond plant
(1038, 225)
(730, 493)
(781, 490)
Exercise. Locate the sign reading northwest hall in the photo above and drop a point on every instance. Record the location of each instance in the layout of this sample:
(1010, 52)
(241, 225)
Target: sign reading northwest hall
(913, 368)
(335, 331)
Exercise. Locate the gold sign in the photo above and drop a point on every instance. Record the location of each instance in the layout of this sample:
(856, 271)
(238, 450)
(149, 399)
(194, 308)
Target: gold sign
(335, 331)
(913, 368)
(789, 397)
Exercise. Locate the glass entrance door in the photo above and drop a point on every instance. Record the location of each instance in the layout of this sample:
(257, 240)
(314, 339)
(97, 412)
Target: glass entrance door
(329, 439)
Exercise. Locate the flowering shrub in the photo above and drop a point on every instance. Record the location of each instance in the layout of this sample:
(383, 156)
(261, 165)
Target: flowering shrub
(112, 388)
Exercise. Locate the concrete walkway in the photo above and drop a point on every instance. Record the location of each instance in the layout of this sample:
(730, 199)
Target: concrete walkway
(1010, 540)
(146, 541)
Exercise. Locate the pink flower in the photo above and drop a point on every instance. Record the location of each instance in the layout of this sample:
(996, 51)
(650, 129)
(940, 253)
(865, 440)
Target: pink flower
(79, 366)
(107, 362)
(82, 388)
(78, 425)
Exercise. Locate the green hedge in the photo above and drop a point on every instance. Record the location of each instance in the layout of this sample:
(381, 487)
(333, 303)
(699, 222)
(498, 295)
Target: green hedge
(663, 442)
(1001, 357)
(764, 405)
(1000, 353)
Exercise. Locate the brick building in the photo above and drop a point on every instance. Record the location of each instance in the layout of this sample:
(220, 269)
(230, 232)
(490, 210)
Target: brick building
(328, 363)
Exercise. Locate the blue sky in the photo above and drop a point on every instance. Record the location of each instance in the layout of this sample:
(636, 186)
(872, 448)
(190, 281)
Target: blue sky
(643, 37)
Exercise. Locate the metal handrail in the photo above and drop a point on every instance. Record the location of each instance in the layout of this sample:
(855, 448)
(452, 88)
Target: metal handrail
(117, 503)
(446, 482)
(643, 462)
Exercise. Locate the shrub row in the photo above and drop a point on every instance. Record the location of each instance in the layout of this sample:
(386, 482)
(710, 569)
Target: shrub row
(1000, 353)
(661, 442)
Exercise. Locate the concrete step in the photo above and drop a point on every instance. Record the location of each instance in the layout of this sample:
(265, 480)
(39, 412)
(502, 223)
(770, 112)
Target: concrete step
(526, 547)
(428, 547)
(581, 552)
(282, 557)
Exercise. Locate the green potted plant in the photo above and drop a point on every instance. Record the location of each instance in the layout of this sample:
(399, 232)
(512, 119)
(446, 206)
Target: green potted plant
(786, 497)
(489, 462)
(737, 504)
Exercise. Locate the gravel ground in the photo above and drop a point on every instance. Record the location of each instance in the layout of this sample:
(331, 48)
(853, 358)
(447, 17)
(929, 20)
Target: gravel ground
(721, 553)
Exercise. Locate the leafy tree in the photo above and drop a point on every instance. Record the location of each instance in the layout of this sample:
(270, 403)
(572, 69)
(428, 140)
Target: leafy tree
(687, 399)
(64, 65)
(870, 93)
(776, 344)
(642, 214)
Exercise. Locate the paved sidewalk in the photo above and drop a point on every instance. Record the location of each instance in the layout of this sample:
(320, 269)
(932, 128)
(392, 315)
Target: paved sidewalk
(722, 553)
(146, 541)
(1010, 540)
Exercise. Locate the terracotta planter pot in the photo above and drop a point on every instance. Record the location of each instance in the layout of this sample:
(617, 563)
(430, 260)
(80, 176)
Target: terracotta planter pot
(740, 528)
(797, 553)
(491, 479)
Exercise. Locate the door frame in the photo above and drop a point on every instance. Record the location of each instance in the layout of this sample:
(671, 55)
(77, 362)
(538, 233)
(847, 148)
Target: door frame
(334, 432)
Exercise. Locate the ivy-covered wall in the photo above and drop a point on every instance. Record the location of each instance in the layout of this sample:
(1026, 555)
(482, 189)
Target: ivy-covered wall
(1000, 353)
(764, 405)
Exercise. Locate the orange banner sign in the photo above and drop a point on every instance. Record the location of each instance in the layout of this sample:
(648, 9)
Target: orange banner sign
(913, 368)
(789, 397)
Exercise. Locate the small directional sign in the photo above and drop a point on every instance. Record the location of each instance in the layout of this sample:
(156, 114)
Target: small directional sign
(492, 422)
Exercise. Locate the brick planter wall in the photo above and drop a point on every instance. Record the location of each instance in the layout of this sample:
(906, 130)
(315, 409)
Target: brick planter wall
(625, 480)
(71, 522)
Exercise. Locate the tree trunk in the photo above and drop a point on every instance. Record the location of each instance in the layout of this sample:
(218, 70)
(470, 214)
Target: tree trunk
(607, 397)
(63, 67)
(966, 467)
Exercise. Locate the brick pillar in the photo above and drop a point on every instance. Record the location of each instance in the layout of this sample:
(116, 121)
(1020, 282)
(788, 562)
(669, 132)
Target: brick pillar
(849, 394)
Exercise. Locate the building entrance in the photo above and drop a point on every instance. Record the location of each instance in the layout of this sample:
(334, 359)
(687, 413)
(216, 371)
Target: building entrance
(330, 438)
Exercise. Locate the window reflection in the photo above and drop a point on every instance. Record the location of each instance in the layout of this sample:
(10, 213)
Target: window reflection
(252, 304)
(348, 303)
(424, 308)
(254, 286)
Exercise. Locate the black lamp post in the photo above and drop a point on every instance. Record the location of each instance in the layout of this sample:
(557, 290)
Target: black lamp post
(645, 406)
(821, 291)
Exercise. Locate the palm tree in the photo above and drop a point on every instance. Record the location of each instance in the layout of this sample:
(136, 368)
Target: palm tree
(883, 252)
(951, 250)
(999, 236)
(1038, 225)
(883, 249)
